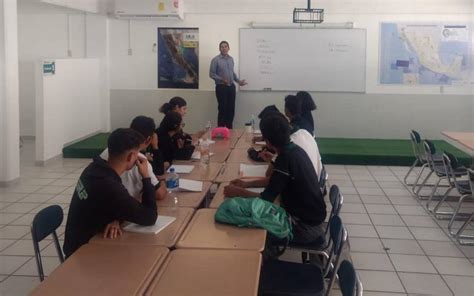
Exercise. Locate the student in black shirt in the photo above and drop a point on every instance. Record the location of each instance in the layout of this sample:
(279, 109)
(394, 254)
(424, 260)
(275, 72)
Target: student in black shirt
(100, 198)
(182, 141)
(293, 111)
(294, 179)
(171, 124)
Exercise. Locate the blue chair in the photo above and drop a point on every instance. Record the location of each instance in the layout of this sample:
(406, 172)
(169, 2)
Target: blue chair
(45, 223)
(298, 279)
(349, 283)
(320, 246)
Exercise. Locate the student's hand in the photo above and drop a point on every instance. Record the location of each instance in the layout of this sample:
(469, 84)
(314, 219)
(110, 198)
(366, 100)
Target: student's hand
(242, 82)
(266, 156)
(238, 183)
(149, 156)
(225, 81)
(180, 143)
(142, 165)
(232, 190)
(113, 230)
(154, 141)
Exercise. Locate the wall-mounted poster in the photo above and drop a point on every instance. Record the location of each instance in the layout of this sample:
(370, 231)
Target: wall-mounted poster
(425, 53)
(178, 58)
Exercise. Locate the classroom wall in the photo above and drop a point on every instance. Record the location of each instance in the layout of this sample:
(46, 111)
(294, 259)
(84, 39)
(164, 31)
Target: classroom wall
(9, 106)
(43, 33)
(67, 105)
(383, 112)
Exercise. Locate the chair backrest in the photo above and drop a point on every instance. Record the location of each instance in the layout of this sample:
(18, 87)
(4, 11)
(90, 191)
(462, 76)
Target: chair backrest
(338, 235)
(347, 278)
(45, 223)
(450, 163)
(323, 178)
(470, 174)
(336, 200)
(430, 149)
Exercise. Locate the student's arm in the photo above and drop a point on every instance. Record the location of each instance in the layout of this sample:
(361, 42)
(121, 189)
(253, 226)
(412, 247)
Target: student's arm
(161, 192)
(213, 71)
(232, 190)
(122, 206)
(257, 182)
(278, 181)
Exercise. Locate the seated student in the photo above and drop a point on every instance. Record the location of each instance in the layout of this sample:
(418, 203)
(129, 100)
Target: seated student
(181, 140)
(293, 112)
(307, 105)
(293, 178)
(171, 124)
(299, 136)
(131, 179)
(100, 197)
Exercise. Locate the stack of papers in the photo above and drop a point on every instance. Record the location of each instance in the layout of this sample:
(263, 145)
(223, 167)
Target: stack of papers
(190, 185)
(160, 224)
(257, 132)
(197, 155)
(181, 168)
(249, 170)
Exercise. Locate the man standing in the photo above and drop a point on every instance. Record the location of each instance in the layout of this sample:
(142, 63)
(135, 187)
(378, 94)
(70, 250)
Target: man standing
(222, 71)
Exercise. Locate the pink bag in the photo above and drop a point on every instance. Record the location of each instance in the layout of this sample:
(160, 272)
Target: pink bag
(220, 132)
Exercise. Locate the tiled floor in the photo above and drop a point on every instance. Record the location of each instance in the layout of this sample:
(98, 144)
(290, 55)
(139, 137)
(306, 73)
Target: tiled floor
(396, 246)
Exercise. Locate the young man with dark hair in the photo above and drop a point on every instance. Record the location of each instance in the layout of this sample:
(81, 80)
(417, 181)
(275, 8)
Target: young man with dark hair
(293, 178)
(131, 179)
(100, 198)
(222, 72)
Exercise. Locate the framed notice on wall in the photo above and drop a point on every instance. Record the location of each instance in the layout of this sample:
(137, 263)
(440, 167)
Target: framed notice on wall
(178, 58)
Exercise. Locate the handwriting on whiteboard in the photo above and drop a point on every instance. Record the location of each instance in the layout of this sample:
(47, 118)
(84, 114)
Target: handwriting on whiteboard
(338, 47)
(265, 54)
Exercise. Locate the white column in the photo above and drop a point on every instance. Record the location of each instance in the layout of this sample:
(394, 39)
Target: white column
(9, 98)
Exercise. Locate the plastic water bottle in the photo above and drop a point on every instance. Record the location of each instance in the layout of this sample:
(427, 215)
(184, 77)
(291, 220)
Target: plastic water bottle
(205, 152)
(172, 184)
(252, 121)
(208, 130)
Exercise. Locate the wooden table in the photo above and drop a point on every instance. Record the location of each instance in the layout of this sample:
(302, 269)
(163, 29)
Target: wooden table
(204, 233)
(203, 172)
(465, 139)
(165, 238)
(219, 196)
(185, 198)
(208, 273)
(99, 269)
(245, 142)
(229, 172)
(240, 155)
(236, 133)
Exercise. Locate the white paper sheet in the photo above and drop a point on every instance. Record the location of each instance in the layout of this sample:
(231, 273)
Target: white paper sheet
(181, 168)
(256, 189)
(248, 170)
(197, 155)
(190, 185)
(261, 143)
(257, 132)
(160, 224)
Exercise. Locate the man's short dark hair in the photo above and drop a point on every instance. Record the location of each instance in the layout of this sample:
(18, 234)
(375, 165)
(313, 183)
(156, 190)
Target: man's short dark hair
(293, 105)
(144, 125)
(122, 140)
(268, 110)
(223, 42)
(276, 129)
(171, 121)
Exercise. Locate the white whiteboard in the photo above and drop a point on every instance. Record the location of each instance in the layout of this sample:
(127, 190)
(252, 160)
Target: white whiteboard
(303, 59)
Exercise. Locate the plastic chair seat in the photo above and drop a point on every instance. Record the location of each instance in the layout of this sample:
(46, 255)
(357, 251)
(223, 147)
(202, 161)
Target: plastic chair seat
(464, 187)
(318, 244)
(289, 278)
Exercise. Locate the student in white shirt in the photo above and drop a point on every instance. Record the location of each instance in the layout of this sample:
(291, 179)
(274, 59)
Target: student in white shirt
(131, 179)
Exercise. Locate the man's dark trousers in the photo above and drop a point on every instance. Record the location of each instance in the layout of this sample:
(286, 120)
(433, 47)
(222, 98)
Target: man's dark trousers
(226, 104)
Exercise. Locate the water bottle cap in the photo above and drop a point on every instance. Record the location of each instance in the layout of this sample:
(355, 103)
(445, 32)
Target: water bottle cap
(171, 170)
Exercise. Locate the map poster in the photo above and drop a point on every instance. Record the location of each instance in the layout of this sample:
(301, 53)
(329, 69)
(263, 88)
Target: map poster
(178, 58)
(425, 54)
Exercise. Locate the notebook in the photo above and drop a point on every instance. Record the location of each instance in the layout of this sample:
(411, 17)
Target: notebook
(248, 170)
(181, 168)
(160, 224)
(190, 185)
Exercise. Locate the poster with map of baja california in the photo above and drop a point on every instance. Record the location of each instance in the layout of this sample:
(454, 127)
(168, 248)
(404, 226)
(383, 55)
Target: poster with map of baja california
(425, 54)
(178, 58)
